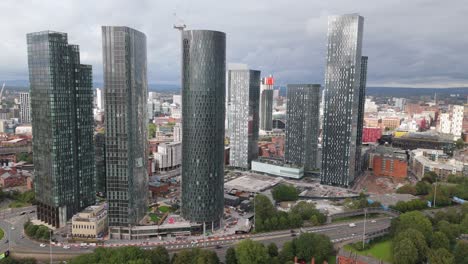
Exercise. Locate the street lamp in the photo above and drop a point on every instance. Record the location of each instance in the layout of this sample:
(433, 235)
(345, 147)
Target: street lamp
(364, 232)
(50, 244)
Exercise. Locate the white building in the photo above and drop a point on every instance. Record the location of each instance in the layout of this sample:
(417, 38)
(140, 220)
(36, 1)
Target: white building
(177, 132)
(457, 120)
(99, 99)
(370, 106)
(177, 99)
(176, 110)
(168, 157)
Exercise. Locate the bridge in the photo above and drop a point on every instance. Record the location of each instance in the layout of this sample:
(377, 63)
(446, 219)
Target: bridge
(370, 210)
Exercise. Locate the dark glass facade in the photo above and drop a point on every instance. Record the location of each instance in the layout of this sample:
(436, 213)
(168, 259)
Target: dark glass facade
(100, 150)
(62, 122)
(244, 87)
(341, 104)
(302, 125)
(125, 93)
(266, 109)
(203, 111)
(360, 122)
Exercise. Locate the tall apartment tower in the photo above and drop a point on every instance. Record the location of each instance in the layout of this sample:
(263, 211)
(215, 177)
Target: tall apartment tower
(266, 103)
(302, 125)
(100, 154)
(125, 93)
(360, 121)
(341, 111)
(62, 122)
(25, 108)
(244, 87)
(203, 100)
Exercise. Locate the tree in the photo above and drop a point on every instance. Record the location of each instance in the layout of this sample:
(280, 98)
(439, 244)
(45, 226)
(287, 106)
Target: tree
(249, 251)
(441, 256)
(423, 188)
(440, 240)
(295, 220)
(461, 252)
(284, 192)
(151, 130)
(450, 230)
(430, 177)
(185, 256)
(408, 189)
(231, 256)
(415, 220)
(310, 245)
(464, 224)
(418, 240)
(207, 257)
(405, 252)
(264, 209)
(159, 255)
(287, 253)
(307, 210)
(272, 250)
(460, 144)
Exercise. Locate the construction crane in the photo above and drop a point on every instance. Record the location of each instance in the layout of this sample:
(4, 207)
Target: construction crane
(179, 25)
(1, 93)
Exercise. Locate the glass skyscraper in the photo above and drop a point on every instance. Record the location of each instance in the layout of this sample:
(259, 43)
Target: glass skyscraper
(244, 87)
(203, 111)
(302, 125)
(342, 99)
(125, 93)
(266, 104)
(62, 122)
(360, 122)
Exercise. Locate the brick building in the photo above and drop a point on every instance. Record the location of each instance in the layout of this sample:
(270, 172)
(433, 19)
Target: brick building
(12, 177)
(371, 134)
(388, 161)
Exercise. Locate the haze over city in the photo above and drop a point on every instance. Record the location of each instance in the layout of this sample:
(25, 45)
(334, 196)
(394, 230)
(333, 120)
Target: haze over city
(410, 43)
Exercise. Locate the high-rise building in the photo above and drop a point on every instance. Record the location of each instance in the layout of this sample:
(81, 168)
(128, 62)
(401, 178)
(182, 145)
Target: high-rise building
(341, 111)
(266, 103)
(360, 113)
(244, 87)
(457, 120)
(62, 123)
(100, 153)
(177, 132)
(25, 108)
(125, 93)
(203, 101)
(302, 125)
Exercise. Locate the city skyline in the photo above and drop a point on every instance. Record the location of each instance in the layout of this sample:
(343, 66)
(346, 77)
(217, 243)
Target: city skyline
(289, 45)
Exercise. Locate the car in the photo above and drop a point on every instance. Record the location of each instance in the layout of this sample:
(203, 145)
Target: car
(292, 231)
(352, 225)
(42, 245)
(373, 221)
(218, 246)
(66, 247)
(12, 228)
(293, 234)
(23, 213)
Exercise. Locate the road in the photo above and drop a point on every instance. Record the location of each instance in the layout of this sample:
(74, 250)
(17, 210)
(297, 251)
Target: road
(338, 232)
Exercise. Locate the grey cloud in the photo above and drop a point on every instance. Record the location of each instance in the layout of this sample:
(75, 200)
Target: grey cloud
(410, 43)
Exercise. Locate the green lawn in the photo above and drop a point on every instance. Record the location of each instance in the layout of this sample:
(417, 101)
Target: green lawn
(331, 260)
(356, 217)
(380, 250)
(163, 209)
(154, 217)
(1, 233)
(17, 204)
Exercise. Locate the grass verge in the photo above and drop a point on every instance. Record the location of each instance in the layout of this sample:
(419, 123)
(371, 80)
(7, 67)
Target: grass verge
(380, 250)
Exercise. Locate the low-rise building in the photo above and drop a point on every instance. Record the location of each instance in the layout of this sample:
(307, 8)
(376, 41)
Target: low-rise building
(388, 161)
(425, 140)
(13, 177)
(278, 168)
(168, 156)
(425, 160)
(371, 134)
(91, 223)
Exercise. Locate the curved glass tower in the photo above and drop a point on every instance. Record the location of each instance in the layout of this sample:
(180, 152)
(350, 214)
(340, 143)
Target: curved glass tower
(203, 101)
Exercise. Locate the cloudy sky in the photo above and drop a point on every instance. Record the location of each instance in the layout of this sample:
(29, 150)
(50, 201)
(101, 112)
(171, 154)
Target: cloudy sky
(414, 43)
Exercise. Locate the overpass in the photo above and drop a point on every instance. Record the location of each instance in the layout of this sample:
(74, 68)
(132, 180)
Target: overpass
(370, 210)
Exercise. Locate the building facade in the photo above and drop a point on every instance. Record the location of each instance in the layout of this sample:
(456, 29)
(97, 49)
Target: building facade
(244, 87)
(62, 123)
(341, 109)
(91, 223)
(388, 161)
(25, 108)
(360, 113)
(203, 111)
(168, 157)
(100, 153)
(125, 93)
(266, 103)
(302, 125)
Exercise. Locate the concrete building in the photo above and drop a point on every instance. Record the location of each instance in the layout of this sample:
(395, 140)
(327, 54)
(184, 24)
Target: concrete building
(177, 99)
(63, 126)
(465, 118)
(168, 157)
(426, 140)
(91, 223)
(177, 132)
(278, 168)
(243, 116)
(302, 126)
(342, 100)
(126, 92)
(266, 103)
(425, 160)
(203, 100)
(451, 122)
(391, 123)
(25, 108)
(99, 99)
